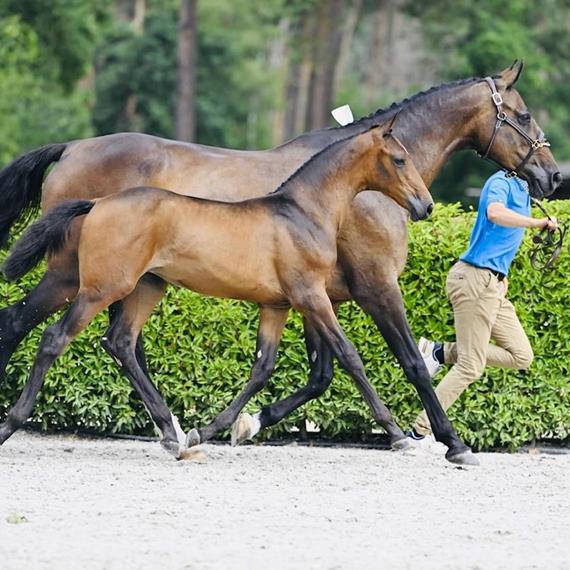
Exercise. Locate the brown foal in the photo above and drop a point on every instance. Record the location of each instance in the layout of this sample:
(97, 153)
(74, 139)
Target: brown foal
(278, 251)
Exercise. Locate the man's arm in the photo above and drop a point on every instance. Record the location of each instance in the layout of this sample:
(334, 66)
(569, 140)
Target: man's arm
(499, 214)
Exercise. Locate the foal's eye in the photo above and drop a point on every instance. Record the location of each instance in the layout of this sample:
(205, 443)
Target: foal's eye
(399, 162)
(524, 118)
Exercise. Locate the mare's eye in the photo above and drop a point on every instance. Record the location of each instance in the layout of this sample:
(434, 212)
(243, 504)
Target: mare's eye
(524, 118)
(399, 162)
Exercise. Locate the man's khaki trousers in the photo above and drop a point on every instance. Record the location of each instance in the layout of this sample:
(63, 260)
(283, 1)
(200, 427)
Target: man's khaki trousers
(481, 313)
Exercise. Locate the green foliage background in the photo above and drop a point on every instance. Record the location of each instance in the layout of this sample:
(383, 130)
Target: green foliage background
(200, 351)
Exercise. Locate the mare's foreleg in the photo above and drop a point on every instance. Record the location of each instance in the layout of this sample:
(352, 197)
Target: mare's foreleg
(55, 339)
(271, 323)
(120, 342)
(386, 307)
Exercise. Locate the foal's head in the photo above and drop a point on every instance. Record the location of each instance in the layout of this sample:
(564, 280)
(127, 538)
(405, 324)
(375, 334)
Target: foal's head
(390, 170)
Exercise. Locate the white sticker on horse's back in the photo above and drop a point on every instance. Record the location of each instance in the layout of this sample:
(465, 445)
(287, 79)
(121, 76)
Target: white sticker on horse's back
(343, 115)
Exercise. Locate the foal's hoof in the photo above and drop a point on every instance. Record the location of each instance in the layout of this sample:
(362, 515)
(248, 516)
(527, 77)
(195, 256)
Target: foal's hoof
(403, 444)
(244, 428)
(462, 458)
(193, 438)
(173, 447)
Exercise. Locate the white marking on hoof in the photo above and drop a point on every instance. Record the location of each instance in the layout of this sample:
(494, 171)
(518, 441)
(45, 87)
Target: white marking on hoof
(193, 438)
(259, 354)
(245, 427)
(314, 356)
(180, 435)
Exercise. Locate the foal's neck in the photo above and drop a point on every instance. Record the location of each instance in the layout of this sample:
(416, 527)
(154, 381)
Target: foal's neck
(325, 187)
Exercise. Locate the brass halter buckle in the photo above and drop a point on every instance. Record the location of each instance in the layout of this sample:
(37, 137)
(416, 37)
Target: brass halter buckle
(503, 118)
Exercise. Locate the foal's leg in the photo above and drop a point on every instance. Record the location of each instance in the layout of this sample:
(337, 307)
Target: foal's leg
(386, 307)
(116, 309)
(320, 377)
(318, 310)
(57, 287)
(54, 340)
(321, 359)
(120, 342)
(271, 323)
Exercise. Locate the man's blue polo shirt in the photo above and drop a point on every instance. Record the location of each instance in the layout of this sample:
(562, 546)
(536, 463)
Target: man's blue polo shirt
(491, 245)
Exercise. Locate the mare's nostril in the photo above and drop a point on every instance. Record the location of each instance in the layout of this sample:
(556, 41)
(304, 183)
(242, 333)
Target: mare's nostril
(557, 179)
(430, 209)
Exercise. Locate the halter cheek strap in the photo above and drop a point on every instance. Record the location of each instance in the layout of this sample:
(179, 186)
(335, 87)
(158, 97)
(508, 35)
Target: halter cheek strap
(502, 118)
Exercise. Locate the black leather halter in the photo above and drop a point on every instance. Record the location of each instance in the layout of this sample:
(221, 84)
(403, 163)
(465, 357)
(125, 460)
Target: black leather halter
(502, 118)
(547, 244)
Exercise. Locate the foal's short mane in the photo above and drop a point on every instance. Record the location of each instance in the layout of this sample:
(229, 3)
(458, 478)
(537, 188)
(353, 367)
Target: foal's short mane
(316, 156)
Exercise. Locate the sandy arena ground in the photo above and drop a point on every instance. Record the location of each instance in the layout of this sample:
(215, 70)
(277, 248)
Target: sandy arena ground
(127, 505)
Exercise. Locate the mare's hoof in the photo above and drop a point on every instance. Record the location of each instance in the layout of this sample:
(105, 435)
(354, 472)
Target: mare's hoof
(403, 444)
(193, 438)
(462, 458)
(244, 428)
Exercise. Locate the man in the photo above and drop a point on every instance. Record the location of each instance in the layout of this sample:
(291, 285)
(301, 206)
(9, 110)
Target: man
(477, 287)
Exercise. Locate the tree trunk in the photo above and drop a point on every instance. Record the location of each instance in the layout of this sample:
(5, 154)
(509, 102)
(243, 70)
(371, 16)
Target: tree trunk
(347, 36)
(279, 63)
(326, 50)
(187, 55)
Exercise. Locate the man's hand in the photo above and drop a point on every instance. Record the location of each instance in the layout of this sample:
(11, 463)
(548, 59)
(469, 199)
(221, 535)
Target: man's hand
(550, 224)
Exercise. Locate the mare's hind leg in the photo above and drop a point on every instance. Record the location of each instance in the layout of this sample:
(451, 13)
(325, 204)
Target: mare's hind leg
(320, 377)
(271, 323)
(56, 288)
(54, 340)
(120, 342)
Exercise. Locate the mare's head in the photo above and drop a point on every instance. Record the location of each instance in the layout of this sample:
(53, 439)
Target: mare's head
(389, 169)
(509, 135)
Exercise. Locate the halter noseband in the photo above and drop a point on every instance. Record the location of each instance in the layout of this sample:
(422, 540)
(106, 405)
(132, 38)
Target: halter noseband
(547, 244)
(502, 118)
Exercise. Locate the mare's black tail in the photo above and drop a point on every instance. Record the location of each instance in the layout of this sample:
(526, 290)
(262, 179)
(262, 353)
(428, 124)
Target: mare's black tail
(21, 184)
(47, 235)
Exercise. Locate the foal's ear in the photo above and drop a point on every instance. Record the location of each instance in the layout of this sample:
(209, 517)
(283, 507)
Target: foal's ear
(385, 129)
(508, 77)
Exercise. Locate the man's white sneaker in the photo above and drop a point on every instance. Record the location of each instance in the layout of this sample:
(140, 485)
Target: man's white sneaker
(428, 443)
(427, 349)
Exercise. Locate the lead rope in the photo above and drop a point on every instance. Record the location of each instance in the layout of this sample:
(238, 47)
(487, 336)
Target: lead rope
(547, 244)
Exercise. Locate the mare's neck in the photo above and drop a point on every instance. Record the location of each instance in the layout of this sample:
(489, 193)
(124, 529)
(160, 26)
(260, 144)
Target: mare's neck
(432, 126)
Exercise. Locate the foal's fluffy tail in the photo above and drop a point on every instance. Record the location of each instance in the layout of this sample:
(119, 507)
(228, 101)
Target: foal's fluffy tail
(21, 184)
(47, 235)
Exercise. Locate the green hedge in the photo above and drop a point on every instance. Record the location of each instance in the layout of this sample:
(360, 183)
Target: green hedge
(201, 349)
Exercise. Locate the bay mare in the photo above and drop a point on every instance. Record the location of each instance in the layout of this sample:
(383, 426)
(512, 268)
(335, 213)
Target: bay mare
(372, 244)
(278, 250)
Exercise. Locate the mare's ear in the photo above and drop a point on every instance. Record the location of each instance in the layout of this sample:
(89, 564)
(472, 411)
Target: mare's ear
(508, 77)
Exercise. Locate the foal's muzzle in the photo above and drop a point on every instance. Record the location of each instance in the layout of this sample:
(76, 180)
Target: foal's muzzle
(420, 208)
